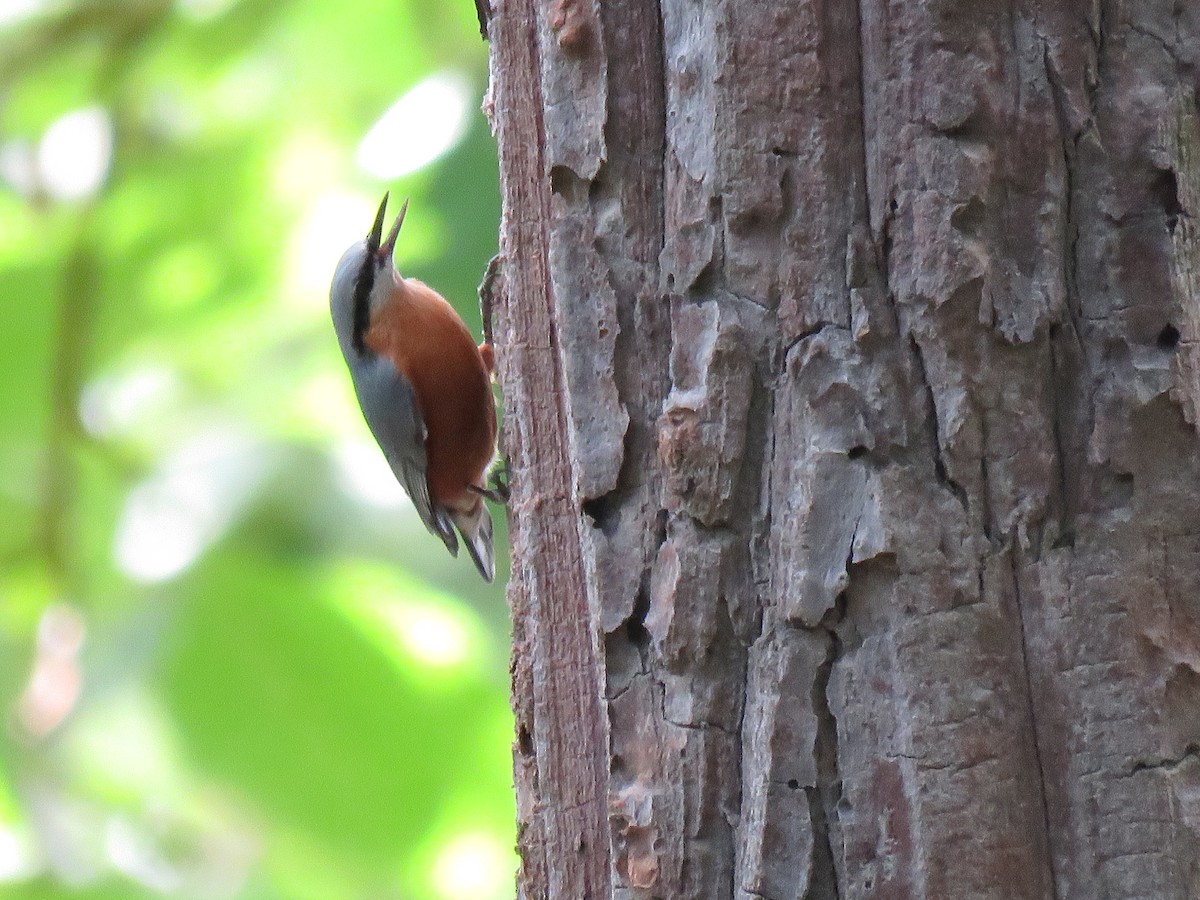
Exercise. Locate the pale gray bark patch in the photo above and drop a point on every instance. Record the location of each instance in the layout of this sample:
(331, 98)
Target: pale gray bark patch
(871, 329)
(689, 35)
(588, 330)
(1179, 183)
(779, 765)
(702, 431)
(839, 412)
(574, 84)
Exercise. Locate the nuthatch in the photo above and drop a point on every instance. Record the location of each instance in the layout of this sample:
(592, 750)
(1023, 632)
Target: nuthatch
(424, 388)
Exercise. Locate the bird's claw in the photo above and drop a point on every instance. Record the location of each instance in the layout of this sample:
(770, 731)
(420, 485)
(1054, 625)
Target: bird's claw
(497, 490)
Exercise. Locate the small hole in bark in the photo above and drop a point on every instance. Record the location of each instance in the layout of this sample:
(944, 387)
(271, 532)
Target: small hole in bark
(524, 741)
(893, 205)
(968, 217)
(1166, 187)
(559, 180)
(1116, 489)
(1168, 338)
(602, 510)
(857, 452)
(747, 220)
(793, 784)
(635, 625)
(639, 635)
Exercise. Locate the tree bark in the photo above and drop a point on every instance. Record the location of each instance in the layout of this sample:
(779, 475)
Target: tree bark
(850, 360)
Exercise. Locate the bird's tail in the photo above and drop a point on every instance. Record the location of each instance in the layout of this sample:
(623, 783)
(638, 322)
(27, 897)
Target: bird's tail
(476, 528)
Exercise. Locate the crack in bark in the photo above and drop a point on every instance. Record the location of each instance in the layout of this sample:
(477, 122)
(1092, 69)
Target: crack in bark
(701, 726)
(635, 135)
(1035, 725)
(824, 798)
(862, 125)
(1162, 42)
(810, 333)
(1169, 764)
(1069, 249)
(933, 430)
(1100, 41)
(1058, 415)
(985, 484)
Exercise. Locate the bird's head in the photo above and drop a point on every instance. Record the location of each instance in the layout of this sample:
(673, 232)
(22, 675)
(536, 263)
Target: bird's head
(364, 274)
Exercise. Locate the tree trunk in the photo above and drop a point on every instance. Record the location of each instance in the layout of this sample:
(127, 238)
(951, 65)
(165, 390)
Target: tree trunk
(850, 365)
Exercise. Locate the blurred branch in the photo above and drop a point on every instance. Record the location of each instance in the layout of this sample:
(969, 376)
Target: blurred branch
(79, 296)
(30, 45)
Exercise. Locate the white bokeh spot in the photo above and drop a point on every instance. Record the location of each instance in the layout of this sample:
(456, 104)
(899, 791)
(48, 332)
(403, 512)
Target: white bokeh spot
(474, 865)
(173, 516)
(75, 153)
(419, 128)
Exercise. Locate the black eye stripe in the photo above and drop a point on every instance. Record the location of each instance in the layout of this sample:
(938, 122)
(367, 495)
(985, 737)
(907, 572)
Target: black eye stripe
(362, 304)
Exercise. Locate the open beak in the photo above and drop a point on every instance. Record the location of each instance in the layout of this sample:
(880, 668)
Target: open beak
(377, 229)
(389, 246)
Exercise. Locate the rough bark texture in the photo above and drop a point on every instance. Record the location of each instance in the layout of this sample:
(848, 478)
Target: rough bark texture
(851, 365)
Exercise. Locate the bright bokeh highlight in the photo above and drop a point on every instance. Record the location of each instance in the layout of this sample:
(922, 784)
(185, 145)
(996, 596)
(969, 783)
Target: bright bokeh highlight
(417, 129)
(172, 516)
(471, 866)
(75, 153)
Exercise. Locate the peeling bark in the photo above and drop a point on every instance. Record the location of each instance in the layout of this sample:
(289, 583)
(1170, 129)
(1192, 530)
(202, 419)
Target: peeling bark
(851, 358)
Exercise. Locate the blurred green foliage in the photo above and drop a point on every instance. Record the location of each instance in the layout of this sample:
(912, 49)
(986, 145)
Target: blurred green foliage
(232, 662)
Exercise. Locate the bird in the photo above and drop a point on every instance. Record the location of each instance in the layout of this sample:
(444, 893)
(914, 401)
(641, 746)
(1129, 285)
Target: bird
(424, 387)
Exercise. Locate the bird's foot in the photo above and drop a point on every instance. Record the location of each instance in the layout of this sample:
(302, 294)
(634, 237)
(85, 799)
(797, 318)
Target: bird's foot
(497, 489)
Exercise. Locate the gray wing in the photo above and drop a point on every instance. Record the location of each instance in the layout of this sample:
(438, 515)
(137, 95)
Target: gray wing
(390, 407)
